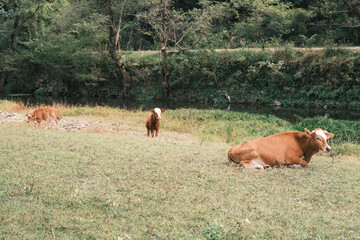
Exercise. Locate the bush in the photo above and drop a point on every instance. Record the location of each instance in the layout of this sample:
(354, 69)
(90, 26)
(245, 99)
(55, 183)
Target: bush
(327, 77)
(313, 77)
(343, 130)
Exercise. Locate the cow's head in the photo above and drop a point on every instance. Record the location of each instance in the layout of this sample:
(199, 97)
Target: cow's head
(30, 117)
(319, 138)
(157, 113)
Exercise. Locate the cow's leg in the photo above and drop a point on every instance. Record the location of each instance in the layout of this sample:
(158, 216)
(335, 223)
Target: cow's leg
(244, 164)
(51, 121)
(148, 133)
(255, 163)
(53, 115)
(303, 163)
(56, 120)
(295, 160)
(39, 122)
(249, 165)
(266, 166)
(157, 132)
(242, 156)
(152, 132)
(48, 121)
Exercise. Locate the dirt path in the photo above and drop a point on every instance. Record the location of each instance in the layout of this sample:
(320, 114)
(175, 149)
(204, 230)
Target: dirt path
(353, 49)
(257, 49)
(68, 124)
(76, 124)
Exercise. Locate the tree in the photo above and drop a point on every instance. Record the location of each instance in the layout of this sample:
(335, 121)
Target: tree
(353, 7)
(333, 21)
(177, 30)
(14, 16)
(260, 20)
(62, 46)
(114, 33)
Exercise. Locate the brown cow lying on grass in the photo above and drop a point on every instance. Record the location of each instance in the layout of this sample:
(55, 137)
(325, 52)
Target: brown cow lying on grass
(280, 149)
(153, 121)
(44, 113)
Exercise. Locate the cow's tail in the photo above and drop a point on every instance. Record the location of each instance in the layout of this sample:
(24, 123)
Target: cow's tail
(230, 159)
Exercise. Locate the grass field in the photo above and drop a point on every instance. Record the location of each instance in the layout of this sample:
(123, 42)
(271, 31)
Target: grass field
(96, 185)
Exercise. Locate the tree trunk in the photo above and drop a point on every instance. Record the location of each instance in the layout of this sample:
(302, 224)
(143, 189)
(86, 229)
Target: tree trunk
(16, 25)
(165, 65)
(119, 24)
(11, 46)
(120, 69)
(166, 73)
(12, 36)
(261, 39)
(2, 81)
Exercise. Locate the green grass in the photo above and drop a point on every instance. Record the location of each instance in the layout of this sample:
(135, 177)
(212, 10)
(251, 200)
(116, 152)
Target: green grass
(212, 125)
(69, 185)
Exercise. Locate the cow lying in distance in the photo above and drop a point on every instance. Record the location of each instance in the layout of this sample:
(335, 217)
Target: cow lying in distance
(44, 113)
(280, 149)
(153, 121)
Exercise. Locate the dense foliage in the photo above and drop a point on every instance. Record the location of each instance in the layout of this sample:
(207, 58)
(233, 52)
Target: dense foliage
(326, 78)
(66, 47)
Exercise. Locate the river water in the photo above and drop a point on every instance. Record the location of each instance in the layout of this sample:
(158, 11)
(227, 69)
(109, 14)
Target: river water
(291, 114)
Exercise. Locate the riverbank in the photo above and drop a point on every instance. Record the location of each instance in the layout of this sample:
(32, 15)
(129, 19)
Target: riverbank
(207, 125)
(323, 78)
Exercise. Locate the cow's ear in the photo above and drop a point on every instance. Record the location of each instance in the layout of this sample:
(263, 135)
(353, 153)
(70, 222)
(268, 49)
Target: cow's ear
(162, 110)
(308, 133)
(152, 110)
(328, 135)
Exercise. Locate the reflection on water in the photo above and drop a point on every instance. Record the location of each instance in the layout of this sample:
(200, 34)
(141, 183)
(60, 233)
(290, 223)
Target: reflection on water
(291, 114)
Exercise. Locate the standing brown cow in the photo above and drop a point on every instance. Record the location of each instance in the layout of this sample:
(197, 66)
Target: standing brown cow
(280, 149)
(153, 121)
(44, 113)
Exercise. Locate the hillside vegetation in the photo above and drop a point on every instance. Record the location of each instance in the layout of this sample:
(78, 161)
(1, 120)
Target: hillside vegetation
(89, 48)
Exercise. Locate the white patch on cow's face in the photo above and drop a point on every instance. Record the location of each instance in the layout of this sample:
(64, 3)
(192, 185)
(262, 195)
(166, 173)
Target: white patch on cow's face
(158, 112)
(321, 133)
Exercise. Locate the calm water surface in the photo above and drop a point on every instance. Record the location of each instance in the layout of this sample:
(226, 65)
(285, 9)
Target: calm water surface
(291, 114)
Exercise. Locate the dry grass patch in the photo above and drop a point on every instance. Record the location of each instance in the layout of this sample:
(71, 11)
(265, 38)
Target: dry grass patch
(96, 129)
(11, 106)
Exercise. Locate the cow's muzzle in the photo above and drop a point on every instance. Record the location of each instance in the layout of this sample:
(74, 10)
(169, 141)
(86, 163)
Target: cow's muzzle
(328, 149)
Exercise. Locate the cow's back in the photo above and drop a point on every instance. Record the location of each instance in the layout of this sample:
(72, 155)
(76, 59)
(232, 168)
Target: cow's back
(272, 150)
(45, 112)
